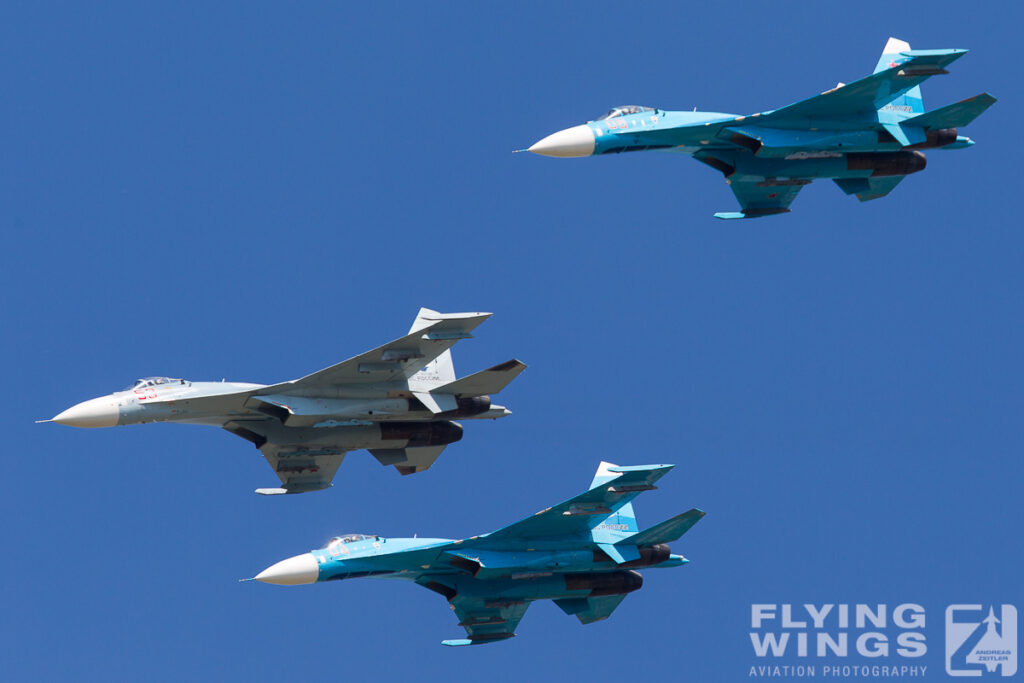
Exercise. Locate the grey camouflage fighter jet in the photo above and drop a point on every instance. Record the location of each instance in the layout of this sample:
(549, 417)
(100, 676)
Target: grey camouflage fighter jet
(398, 401)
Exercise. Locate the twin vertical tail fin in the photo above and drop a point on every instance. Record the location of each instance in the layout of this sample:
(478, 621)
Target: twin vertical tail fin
(618, 524)
(618, 534)
(911, 102)
(904, 118)
(435, 383)
(441, 370)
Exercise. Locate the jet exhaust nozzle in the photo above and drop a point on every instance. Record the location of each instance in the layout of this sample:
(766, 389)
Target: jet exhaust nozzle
(472, 405)
(650, 556)
(937, 138)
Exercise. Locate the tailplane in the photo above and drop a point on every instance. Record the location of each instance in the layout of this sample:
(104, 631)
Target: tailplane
(954, 115)
(667, 531)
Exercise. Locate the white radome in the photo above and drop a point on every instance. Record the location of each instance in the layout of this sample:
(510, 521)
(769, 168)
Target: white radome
(96, 412)
(294, 571)
(577, 141)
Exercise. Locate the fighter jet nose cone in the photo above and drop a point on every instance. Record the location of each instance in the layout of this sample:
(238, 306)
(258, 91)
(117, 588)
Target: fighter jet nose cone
(294, 571)
(97, 412)
(577, 141)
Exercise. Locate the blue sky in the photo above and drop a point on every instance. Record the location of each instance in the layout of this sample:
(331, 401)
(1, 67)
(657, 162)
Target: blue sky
(256, 191)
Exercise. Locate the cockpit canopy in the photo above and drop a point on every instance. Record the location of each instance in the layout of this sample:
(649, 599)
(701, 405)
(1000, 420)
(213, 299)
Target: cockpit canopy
(349, 538)
(623, 110)
(153, 381)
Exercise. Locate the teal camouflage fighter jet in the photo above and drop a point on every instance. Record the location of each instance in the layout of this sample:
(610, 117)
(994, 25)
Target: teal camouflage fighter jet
(866, 135)
(397, 400)
(582, 554)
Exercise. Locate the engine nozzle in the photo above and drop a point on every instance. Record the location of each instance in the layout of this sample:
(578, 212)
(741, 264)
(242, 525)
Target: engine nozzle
(937, 138)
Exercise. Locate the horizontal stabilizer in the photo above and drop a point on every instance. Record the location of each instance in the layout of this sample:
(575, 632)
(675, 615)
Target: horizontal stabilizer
(665, 532)
(853, 185)
(408, 460)
(489, 381)
(953, 115)
(389, 456)
(589, 610)
(867, 189)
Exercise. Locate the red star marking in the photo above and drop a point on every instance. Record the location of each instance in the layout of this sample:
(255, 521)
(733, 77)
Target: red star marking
(773, 195)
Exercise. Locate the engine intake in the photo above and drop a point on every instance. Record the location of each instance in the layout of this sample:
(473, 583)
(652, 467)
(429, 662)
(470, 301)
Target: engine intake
(652, 555)
(421, 433)
(611, 583)
(886, 163)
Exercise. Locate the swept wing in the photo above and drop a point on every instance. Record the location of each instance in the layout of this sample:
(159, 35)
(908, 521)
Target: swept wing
(580, 514)
(867, 189)
(763, 198)
(301, 467)
(871, 93)
(400, 359)
(486, 620)
(589, 610)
